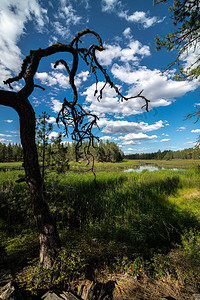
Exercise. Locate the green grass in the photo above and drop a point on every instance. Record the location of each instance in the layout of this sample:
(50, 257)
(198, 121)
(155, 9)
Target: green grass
(113, 222)
(126, 164)
(10, 165)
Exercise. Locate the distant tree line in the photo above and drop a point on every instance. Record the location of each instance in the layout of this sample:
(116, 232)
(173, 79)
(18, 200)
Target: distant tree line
(59, 153)
(10, 152)
(53, 152)
(167, 154)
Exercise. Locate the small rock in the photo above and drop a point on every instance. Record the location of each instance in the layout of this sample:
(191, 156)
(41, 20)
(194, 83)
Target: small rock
(68, 296)
(9, 292)
(196, 296)
(50, 296)
(5, 277)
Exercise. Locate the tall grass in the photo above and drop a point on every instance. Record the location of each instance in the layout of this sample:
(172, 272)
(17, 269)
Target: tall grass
(129, 205)
(133, 207)
(119, 217)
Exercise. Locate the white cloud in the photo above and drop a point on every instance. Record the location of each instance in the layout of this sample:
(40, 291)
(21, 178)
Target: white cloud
(53, 78)
(59, 67)
(195, 131)
(56, 105)
(5, 135)
(109, 104)
(190, 143)
(111, 52)
(131, 143)
(8, 121)
(106, 137)
(164, 140)
(54, 135)
(81, 77)
(58, 78)
(119, 127)
(131, 53)
(14, 15)
(139, 149)
(160, 90)
(68, 13)
(109, 5)
(139, 17)
(52, 120)
(180, 128)
(61, 30)
(127, 33)
(136, 138)
(191, 56)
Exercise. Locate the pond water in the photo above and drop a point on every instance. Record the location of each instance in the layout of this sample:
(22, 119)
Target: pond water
(149, 168)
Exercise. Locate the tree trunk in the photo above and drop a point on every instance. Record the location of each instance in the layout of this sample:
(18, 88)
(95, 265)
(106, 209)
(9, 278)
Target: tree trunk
(48, 234)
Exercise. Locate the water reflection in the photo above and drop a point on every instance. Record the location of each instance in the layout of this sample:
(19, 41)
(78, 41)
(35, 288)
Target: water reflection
(149, 168)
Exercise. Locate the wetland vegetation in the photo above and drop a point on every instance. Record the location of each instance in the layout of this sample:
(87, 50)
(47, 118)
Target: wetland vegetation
(145, 224)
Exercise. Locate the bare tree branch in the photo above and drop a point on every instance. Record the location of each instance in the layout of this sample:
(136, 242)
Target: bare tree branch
(72, 114)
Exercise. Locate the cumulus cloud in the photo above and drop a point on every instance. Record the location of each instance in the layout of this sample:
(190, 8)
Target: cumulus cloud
(134, 52)
(53, 78)
(139, 17)
(68, 13)
(56, 105)
(66, 16)
(116, 6)
(106, 138)
(195, 131)
(127, 33)
(143, 149)
(161, 90)
(109, 5)
(52, 120)
(58, 78)
(81, 77)
(109, 104)
(136, 138)
(14, 15)
(120, 127)
(54, 135)
(164, 140)
(60, 30)
(190, 57)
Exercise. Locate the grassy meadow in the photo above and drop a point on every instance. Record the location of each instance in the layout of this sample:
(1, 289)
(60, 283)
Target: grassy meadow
(145, 224)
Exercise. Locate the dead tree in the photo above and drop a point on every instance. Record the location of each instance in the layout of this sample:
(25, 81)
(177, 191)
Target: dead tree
(72, 114)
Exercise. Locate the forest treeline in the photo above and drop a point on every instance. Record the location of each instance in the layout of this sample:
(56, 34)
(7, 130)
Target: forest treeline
(11, 152)
(102, 152)
(57, 151)
(189, 153)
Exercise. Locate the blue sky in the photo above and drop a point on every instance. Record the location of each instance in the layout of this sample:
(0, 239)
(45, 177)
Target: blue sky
(128, 29)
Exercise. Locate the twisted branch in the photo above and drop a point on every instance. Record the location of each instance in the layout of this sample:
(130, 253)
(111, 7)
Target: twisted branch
(72, 114)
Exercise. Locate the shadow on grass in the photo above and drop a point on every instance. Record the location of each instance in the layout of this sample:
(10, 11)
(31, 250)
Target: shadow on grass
(125, 209)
